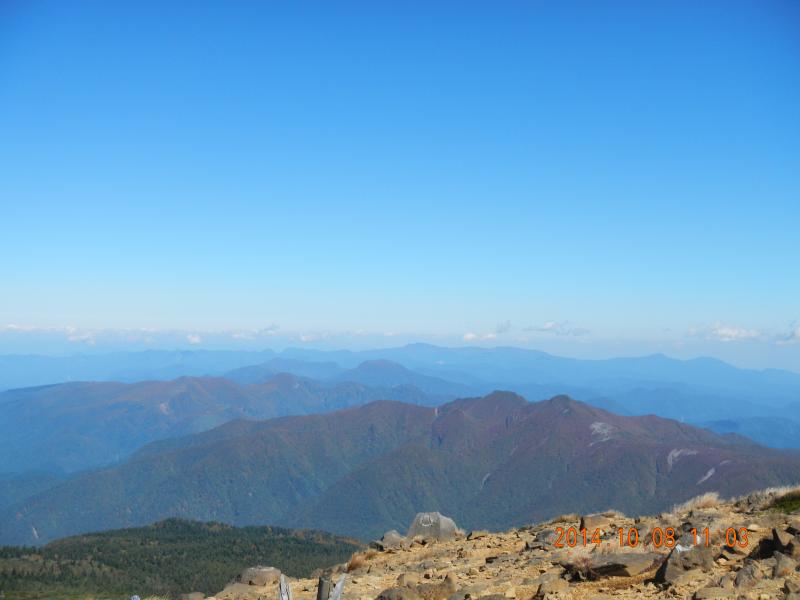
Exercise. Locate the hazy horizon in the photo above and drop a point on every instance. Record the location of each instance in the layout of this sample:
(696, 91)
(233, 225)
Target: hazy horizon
(73, 342)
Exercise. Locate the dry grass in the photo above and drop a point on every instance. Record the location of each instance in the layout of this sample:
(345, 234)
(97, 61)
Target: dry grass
(707, 500)
(568, 518)
(763, 498)
(359, 559)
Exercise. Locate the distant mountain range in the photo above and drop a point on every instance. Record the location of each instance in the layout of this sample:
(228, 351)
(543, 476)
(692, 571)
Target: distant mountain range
(78, 425)
(492, 461)
(26, 370)
(74, 426)
(702, 389)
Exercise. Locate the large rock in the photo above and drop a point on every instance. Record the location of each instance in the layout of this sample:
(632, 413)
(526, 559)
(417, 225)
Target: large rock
(593, 522)
(391, 540)
(193, 596)
(627, 564)
(260, 576)
(433, 526)
(682, 559)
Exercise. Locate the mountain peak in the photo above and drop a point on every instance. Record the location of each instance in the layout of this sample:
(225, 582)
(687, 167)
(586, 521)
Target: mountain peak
(381, 364)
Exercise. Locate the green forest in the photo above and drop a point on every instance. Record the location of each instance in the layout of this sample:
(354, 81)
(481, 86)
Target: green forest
(164, 559)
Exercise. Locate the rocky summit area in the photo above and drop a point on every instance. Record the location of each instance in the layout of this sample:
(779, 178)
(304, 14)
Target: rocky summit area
(746, 549)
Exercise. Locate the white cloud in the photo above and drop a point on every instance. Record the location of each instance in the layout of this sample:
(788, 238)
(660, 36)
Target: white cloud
(252, 334)
(68, 329)
(194, 339)
(85, 338)
(243, 335)
(721, 332)
(558, 328)
(471, 337)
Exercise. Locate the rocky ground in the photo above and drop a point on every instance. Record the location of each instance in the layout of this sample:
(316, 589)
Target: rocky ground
(673, 558)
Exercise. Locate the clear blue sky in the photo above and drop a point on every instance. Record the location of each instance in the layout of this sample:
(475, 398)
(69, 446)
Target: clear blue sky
(598, 177)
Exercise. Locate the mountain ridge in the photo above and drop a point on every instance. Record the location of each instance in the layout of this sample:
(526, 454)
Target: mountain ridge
(495, 461)
(78, 425)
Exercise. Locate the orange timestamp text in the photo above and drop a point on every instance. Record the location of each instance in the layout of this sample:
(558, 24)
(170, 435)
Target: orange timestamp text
(658, 537)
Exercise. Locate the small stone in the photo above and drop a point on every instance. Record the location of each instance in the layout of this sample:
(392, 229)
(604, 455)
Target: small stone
(689, 578)
(784, 566)
(398, 593)
(553, 586)
(727, 581)
(406, 579)
(747, 576)
(437, 591)
(782, 538)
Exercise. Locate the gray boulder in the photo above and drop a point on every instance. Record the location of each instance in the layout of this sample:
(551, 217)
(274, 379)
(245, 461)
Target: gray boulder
(784, 566)
(398, 593)
(747, 576)
(433, 526)
(620, 564)
(392, 539)
(681, 560)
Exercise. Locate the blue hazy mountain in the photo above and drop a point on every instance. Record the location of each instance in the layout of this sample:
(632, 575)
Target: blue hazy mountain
(23, 370)
(304, 368)
(778, 432)
(78, 425)
(472, 366)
